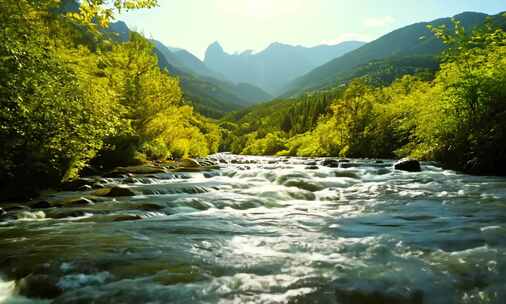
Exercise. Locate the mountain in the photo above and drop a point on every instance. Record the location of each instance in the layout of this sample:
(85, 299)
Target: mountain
(276, 66)
(412, 40)
(185, 60)
(208, 91)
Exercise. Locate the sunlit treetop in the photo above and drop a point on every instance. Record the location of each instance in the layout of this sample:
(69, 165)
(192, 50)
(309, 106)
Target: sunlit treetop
(102, 12)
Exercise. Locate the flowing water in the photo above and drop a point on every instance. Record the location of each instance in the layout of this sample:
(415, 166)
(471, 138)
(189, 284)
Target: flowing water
(269, 230)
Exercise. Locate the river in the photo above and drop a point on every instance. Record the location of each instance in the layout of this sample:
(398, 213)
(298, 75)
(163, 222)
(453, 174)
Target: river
(267, 230)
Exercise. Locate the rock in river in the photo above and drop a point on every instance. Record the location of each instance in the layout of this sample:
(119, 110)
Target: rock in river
(409, 165)
(357, 296)
(332, 163)
(115, 192)
(189, 163)
(39, 286)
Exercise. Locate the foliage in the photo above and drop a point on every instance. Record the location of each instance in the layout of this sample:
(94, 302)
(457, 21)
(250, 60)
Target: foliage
(456, 116)
(68, 100)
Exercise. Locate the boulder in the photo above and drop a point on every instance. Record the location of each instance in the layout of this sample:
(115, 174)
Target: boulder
(85, 188)
(150, 207)
(358, 296)
(41, 205)
(119, 192)
(75, 185)
(189, 163)
(332, 163)
(126, 218)
(39, 286)
(312, 167)
(304, 184)
(408, 164)
(79, 202)
(114, 192)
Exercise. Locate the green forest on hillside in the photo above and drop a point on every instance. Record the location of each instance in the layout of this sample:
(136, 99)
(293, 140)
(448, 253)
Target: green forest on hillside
(455, 116)
(70, 95)
(73, 97)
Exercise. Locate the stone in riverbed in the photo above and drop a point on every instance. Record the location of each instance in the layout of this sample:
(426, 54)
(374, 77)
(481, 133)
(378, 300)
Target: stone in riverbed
(189, 163)
(409, 165)
(80, 202)
(150, 207)
(75, 185)
(312, 167)
(358, 296)
(115, 192)
(2, 212)
(39, 286)
(332, 163)
(127, 218)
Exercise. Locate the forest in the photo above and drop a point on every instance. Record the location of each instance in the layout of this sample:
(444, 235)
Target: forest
(453, 114)
(74, 98)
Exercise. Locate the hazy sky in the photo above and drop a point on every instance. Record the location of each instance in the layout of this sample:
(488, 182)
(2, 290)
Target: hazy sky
(253, 24)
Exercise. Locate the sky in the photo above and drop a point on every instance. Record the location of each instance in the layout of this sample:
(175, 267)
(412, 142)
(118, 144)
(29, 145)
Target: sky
(240, 25)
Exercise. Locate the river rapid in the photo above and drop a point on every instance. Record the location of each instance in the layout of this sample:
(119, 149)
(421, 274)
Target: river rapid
(266, 230)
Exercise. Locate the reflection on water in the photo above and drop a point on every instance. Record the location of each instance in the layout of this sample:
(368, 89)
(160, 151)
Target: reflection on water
(268, 230)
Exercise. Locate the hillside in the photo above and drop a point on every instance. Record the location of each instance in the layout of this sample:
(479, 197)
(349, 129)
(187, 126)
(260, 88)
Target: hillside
(412, 40)
(207, 90)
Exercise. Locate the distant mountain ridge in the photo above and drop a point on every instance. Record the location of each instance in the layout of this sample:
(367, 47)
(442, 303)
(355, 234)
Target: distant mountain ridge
(210, 93)
(412, 40)
(274, 67)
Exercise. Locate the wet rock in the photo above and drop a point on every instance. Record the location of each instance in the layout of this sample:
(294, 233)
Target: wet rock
(310, 163)
(357, 296)
(211, 174)
(2, 212)
(206, 162)
(79, 202)
(347, 173)
(41, 205)
(98, 186)
(85, 188)
(347, 165)
(114, 192)
(127, 218)
(189, 163)
(312, 167)
(39, 286)
(378, 161)
(331, 163)
(150, 207)
(409, 165)
(75, 185)
(304, 184)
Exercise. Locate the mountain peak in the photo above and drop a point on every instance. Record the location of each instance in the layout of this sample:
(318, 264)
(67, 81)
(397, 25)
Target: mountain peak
(215, 46)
